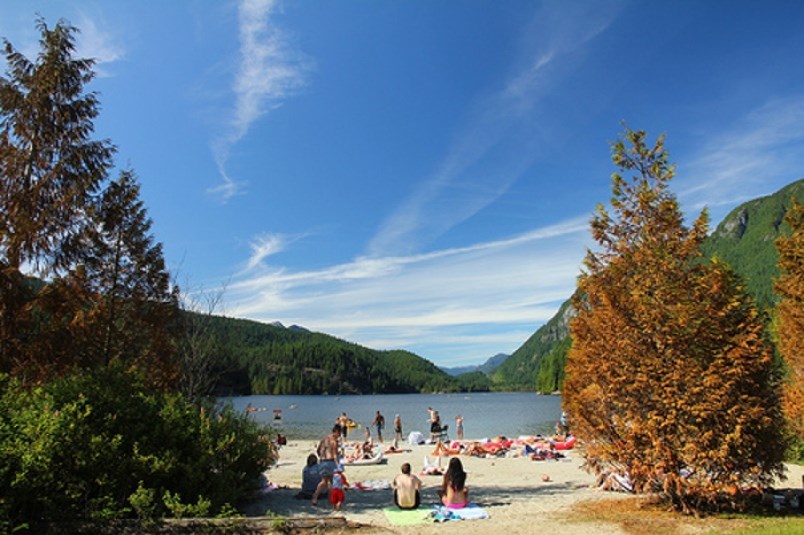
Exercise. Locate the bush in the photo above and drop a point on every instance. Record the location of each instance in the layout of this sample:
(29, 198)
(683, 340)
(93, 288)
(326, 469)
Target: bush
(100, 445)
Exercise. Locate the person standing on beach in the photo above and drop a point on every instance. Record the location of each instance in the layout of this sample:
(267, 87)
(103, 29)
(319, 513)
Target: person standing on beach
(339, 484)
(379, 425)
(459, 426)
(397, 431)
(431, 415)
(343, 421)
(328, 455)
(435, 427)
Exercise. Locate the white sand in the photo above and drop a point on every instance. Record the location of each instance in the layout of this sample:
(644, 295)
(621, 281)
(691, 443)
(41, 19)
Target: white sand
(510, 489)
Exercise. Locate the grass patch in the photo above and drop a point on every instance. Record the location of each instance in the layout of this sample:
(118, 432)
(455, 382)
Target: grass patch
(639, 515)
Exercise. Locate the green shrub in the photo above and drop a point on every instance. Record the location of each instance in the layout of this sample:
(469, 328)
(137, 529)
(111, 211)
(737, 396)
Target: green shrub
(100, 445)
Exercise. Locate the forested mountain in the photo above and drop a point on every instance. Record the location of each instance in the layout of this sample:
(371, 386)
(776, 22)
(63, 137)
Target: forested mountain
(745, 239)
(546, 348)
(255, 358)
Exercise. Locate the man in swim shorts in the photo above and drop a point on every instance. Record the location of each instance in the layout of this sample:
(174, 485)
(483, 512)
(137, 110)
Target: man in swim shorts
(406, 489)
(328, 455)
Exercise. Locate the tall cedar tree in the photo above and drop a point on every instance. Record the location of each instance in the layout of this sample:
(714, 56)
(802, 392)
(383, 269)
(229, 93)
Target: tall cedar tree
(49, 170)
(790, 287)
(134, 310)
(669, 377)
(108, 296)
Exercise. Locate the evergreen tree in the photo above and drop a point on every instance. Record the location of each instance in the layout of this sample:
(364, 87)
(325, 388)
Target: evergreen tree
(50, 167)
(669, 377)
(790, 287)
(134, 309)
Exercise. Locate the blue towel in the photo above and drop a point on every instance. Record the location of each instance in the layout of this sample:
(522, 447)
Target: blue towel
(472, 511)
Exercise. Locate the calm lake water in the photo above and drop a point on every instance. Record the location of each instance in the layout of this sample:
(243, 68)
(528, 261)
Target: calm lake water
(485, 414)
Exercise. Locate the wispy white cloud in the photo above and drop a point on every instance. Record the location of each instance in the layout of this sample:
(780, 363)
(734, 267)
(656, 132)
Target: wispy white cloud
(492, 136)
(269, 71)
(262, 247)
(96, 38)
(98, 42)
(507, 286)
(751, 158)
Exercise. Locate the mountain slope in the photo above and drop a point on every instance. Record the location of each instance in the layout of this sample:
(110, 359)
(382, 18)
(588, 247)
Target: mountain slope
(745, 239)
(256, 358)
(519, 371)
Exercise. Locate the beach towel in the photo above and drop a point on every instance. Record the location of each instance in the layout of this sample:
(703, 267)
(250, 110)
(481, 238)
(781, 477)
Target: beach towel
(407, 517)
(472, 511)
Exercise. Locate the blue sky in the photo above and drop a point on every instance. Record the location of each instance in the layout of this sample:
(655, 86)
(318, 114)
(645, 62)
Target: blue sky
(421, 174)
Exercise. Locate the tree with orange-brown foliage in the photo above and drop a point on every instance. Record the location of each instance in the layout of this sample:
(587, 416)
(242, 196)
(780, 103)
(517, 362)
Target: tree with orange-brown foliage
(82, 282)
(790, 287)
(669, 378)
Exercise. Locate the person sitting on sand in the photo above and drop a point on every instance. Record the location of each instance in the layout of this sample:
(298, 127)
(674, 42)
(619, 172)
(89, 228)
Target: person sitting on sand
(311, 477)
(454, 493)
(406, 489)
(362, 450)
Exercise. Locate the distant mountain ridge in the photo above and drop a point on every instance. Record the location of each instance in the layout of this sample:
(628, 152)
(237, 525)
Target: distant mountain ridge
(745, 239)
(487, 367)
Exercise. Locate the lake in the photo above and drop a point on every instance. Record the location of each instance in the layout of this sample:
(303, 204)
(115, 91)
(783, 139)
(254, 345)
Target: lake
(486, 414)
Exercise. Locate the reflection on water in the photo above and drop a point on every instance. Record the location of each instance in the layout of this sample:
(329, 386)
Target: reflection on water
(485, 414)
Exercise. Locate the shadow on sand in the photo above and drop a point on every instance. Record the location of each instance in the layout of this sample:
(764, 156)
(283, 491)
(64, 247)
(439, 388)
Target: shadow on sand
(282, 502)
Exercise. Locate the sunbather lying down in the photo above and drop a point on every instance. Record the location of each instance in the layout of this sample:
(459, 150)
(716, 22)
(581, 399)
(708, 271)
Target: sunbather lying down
(478, 449)
(442, 450)
(615, 481)
(431, 469)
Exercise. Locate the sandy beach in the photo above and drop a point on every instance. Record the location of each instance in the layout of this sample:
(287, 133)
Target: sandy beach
(510, 489)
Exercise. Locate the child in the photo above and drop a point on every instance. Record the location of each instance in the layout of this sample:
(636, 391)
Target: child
(339, 483)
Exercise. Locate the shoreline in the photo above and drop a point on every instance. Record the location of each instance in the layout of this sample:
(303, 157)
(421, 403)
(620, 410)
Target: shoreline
(510, 489)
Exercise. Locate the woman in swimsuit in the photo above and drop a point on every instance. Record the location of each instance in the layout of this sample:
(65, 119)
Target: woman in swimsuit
(454, 493)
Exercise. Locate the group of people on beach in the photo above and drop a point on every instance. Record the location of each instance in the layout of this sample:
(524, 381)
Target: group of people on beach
(437, 428)
(324, 474)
